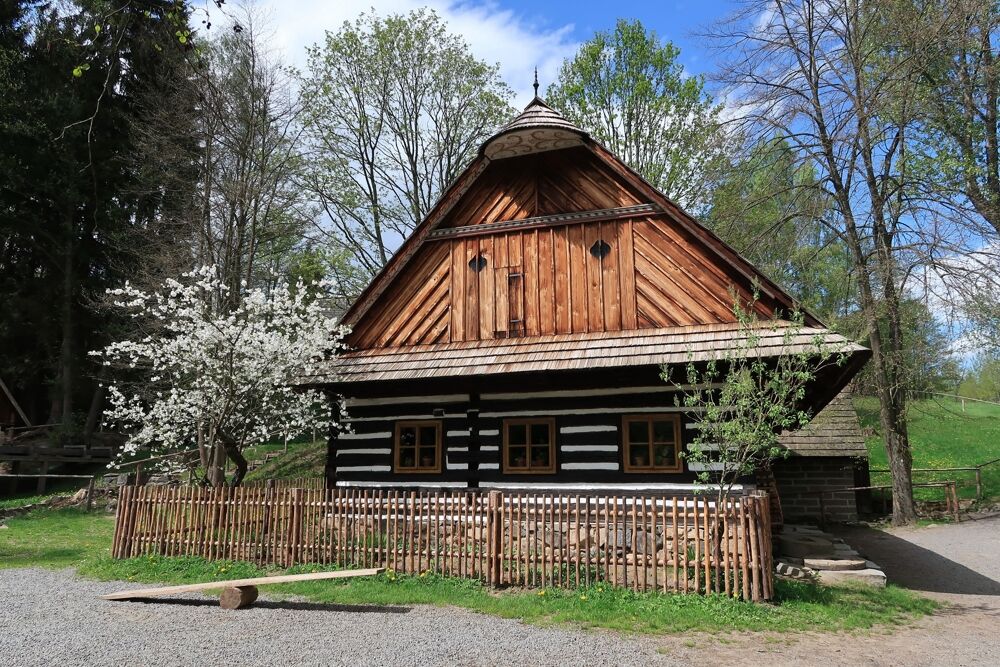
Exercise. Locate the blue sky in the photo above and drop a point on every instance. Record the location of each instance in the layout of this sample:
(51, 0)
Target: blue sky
(518, 34)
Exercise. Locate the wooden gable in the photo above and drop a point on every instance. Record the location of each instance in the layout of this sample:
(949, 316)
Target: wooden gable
(551, 242)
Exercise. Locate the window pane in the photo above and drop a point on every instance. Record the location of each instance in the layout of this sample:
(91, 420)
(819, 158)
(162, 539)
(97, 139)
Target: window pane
(663, 431)
(517, 457)
(638, 432)
(407, 458)
(664, 455)
(428, 435)
(539, 434)
(407, 436)
(638, 455)
(428, 457)
(517, 434)
(539, 457)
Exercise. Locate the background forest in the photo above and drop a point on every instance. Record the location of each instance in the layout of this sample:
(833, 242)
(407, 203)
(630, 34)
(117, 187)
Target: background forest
(848, 150)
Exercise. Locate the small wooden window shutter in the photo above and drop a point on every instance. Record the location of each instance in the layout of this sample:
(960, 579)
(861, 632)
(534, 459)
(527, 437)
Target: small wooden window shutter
(509, 302)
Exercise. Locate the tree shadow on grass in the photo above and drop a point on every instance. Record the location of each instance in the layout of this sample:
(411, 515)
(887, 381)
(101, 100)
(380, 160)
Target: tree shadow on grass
(287, 605)
(912, 566)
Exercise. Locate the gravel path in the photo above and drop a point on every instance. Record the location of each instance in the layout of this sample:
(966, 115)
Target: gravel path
(55, 618)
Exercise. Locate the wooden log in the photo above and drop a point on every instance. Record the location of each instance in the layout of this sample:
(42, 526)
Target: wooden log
(238, 597)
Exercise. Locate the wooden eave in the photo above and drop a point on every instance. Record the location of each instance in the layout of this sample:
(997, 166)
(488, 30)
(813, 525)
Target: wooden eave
(834, 431)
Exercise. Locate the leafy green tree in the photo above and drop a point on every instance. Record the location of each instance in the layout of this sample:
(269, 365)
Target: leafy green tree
(983, 379)
(768, 207)
(628, 89)
(76, 217)
(394, 108)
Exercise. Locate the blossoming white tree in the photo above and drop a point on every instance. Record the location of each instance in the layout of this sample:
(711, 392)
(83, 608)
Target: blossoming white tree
(200, 374)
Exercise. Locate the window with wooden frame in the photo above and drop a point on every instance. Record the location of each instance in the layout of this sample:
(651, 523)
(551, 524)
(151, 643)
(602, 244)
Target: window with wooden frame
(652, 443)
(418, 446)
(529, 446)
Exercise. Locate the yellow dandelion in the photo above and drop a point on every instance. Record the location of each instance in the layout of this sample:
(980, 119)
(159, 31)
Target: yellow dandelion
(541, 593)
(583, 597)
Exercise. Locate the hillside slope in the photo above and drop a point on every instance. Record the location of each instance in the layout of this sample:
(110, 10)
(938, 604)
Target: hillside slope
(302, 460)
(941, 436)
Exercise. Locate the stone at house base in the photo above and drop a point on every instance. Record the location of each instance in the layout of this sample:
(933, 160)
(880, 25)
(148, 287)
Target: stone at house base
(869, 576)
(801, 545)
(786, 569)
(838, 564)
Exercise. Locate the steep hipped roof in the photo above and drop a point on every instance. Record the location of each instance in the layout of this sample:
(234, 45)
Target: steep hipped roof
(834, 431)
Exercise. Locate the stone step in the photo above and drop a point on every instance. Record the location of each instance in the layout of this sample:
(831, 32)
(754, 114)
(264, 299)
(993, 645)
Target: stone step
(868, 576)
(837, 564)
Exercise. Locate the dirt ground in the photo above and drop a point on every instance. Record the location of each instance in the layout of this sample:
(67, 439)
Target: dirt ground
(958, 564)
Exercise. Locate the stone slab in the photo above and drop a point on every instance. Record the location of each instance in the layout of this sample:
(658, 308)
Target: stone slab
(869, 576)
(838, 564)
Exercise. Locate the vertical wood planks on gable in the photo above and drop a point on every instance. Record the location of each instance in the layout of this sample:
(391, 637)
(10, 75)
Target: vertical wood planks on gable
(546, 278)
(459, 272)
(562, 281)
(531, 285)
(578, 282)
(501, 300)
(593, 271)
(610, 284)
(487, 290)
(626, 274)
(471, 289)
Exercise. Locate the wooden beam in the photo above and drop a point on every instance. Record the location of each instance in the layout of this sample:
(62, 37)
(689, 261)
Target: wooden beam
(238, 583)
(544, 221)
(13, 401)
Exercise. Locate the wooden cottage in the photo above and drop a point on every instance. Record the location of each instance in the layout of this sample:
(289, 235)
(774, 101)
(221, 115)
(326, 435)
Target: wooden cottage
(516, 338)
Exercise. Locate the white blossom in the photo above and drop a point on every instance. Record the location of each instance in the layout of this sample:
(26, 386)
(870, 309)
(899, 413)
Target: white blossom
(200, 367)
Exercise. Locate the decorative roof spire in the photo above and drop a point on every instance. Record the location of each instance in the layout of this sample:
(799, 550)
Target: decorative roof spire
(536, 82)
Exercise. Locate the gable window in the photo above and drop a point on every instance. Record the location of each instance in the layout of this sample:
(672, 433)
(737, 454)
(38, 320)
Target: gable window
(652, 443)
(529, 446)
(418, 446)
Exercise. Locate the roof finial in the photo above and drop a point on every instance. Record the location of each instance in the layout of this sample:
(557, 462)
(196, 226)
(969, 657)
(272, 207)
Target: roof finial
(536, 82)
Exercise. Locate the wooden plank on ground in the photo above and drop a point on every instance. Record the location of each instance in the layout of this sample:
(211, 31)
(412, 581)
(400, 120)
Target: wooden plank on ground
(235, 583)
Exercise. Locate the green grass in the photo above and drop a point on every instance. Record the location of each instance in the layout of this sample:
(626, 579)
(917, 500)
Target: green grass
(40, 539)
(942, 435)
(303, 460)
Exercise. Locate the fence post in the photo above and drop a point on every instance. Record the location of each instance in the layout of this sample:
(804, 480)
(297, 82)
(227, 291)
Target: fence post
(979, 483)
(90, 492)
(295, 529)
(494, 538)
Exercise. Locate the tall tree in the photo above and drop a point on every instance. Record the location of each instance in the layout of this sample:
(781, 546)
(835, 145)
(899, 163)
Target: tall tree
(629, 90)
(75, 216)
(832, 77)
(395, 107)
(770, 208)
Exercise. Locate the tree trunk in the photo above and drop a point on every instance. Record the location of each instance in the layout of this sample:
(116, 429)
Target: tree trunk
(95, 412)
(232, 450)
(66, 350)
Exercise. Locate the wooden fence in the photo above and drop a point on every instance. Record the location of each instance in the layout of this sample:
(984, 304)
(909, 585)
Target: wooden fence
(292, 483)
(642, 542)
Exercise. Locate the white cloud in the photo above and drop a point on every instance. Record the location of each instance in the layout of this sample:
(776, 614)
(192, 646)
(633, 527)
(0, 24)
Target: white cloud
(494, 34)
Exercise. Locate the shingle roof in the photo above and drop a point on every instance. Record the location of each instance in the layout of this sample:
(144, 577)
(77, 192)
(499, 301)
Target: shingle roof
(645, 347)
(538, 128)
(834, 431)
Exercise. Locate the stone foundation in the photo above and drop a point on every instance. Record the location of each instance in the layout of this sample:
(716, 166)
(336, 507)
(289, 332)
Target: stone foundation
(798, 477)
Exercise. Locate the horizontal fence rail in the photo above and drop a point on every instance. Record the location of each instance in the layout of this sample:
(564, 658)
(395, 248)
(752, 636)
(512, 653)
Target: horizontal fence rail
(646, 543)
(291, 483)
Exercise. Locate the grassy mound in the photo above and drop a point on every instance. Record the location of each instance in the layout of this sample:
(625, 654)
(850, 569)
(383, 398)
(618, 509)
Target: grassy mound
(942, 435)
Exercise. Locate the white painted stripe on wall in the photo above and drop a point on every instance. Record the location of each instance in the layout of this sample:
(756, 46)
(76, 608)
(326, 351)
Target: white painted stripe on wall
(589, 411)
(364, 468)
(363, 451)
(489, 431)
(489, 448)
(458, 449)
(596, 428)
(589, 466)
(400, 484)
(621, 391)
(444, 398)
(589, 448)
(458, 466)
(365, 436)
(701, 467)
(489, 466)
(455, 434)
(426, 415)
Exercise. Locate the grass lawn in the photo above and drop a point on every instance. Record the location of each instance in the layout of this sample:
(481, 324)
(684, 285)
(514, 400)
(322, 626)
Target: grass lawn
(73, 538)
(303, 460)
(942, 435)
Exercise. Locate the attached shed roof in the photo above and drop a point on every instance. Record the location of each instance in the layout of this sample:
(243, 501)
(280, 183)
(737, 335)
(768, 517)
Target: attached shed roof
(567, 352)
(834, 431)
